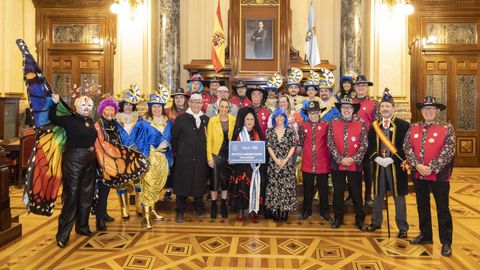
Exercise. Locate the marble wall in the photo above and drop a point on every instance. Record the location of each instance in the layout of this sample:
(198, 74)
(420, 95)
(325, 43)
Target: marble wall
(387, 62)
(17, 20)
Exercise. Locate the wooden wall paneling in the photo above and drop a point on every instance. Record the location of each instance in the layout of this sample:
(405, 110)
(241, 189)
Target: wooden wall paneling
(50, 12)
(455, 56)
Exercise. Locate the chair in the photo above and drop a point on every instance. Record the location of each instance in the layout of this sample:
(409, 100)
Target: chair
(27, 142)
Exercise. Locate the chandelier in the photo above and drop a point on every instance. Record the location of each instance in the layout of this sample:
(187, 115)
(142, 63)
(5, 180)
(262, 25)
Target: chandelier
(127, 7)
(398, 6)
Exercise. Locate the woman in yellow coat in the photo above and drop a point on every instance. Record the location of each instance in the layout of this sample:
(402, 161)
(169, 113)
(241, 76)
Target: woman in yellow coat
(219, 133)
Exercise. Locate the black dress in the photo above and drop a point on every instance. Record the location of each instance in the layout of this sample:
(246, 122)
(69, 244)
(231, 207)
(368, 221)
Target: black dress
(281, 189)
(239, 183)
(221, 170)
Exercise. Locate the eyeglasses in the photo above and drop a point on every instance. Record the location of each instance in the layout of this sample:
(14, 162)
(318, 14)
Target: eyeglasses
(427, 108)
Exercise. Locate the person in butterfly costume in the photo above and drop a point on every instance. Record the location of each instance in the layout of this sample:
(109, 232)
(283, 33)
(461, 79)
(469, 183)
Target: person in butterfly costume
(109, 136)
(63, 151)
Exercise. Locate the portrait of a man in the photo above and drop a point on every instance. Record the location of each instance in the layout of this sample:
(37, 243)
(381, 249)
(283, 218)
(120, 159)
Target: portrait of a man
(258, 39)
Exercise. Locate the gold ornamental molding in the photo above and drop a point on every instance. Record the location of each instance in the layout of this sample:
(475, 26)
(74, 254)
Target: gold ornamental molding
(72, 3)
(445, 2)
(261, 2)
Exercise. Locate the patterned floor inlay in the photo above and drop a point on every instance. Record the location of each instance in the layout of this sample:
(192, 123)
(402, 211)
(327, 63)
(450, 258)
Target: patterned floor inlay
(226, 244)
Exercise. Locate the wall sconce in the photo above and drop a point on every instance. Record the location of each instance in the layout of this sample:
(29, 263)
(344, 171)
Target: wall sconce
(399, 6)
(128, 7)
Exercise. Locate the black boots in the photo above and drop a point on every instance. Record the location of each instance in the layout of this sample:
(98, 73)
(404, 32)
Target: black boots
(213, 209)
(224, 209)
(279, 216)
(101, 225)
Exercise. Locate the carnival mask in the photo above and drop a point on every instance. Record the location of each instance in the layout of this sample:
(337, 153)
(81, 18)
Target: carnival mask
(84, 105)
(108, 113)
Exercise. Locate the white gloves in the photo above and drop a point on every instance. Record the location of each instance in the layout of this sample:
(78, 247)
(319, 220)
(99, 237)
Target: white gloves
(388, 161)
(163, 145)
(384, 162)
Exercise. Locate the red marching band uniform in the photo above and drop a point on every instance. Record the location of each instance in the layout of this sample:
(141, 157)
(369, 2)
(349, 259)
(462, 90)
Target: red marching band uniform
(433, 144)
(245, 102)
(263, 113)
(315, 162)
(352, 143)
(207, 100)
(347, 138)
(368, 111)
(315, 154)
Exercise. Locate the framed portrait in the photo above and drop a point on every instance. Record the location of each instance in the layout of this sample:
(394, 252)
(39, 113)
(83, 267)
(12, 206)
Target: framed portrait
(259, 36)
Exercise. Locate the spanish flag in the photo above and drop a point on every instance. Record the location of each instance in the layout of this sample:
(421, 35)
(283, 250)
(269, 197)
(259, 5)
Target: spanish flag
(218, 42)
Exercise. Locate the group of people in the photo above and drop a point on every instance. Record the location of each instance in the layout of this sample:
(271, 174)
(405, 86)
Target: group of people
(347, 136)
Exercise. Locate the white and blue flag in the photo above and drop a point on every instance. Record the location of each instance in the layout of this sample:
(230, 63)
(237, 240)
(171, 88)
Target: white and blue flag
(311, 47)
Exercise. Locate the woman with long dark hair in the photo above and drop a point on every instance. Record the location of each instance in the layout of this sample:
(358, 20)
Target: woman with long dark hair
(247, 128)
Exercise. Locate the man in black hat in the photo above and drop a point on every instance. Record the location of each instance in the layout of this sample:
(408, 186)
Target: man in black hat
(368, 112)
(240, 99)
(315, 160)
(258, 96)
(347, 140)
(385, 150)
(430, 148)
(211, 96)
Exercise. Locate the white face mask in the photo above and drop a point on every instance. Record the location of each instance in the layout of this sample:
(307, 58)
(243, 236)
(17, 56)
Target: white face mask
(84, 105)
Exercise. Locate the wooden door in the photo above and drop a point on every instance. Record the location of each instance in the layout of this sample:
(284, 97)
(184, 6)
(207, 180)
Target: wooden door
(76, 43)
(453, 80)
(445, 63)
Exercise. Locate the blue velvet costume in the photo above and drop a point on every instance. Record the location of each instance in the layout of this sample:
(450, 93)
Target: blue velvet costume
(154, 137)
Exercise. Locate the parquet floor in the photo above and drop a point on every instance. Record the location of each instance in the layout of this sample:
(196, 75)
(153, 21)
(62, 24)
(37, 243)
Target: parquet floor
(227, 244)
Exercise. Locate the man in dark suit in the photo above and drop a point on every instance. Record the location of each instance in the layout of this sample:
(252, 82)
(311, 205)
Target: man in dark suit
(258, 39)
(385, 151)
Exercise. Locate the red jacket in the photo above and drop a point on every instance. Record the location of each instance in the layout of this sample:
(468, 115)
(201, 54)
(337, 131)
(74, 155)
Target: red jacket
(434, 142)
(315, 154)
(263, 114)
(207, 100)
(245, 102)
(368, 111)
(347, 139)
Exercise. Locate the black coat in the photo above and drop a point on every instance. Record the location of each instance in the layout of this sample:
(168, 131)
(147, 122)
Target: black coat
(400, 178)
(190, 146)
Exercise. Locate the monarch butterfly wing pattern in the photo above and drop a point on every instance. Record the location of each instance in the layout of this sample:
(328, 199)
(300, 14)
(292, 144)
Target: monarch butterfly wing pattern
(44, 173)
(118, 163)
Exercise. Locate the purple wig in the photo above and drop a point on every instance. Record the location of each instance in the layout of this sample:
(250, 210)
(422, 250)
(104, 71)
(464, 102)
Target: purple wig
(105, 103)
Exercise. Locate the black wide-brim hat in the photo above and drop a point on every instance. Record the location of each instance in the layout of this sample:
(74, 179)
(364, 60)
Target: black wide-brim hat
(313, 106)
(347, 100)
(431, 101)
(239, 84)
(179, 92)
(363, 79)
(257, 88)
(197, 77)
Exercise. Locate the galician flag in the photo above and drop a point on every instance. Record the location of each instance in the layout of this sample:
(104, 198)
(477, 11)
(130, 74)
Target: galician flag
(218, 42)
(311, 47)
